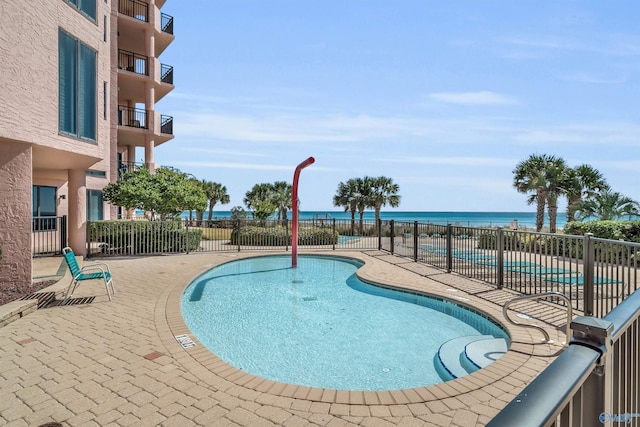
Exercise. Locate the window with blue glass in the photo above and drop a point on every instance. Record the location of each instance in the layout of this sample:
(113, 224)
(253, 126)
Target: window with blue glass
(94, 205)
(88, 7)
(43, 203)
(77, 87)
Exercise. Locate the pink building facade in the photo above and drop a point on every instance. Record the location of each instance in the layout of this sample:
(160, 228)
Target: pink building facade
(80, 79)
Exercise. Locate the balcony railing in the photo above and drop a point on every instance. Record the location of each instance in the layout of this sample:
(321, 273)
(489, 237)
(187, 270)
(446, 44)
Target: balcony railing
(166, 23)
(166, 125)
(124, 167)
(135, 9)
(132, 117)
(166, 74)
(133, 62)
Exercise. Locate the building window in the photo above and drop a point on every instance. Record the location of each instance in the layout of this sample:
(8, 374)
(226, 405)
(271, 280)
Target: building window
(77, 87)
(94, 205)
(88, 7)
(104, 100)
(43, 202)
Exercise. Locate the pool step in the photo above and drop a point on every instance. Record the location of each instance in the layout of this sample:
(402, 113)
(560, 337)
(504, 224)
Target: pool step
(463, 355)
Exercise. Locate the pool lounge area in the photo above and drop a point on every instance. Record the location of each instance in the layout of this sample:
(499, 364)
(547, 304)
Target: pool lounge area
(133, 361)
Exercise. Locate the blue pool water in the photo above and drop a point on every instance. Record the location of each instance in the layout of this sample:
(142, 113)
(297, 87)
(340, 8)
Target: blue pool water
(320, 326)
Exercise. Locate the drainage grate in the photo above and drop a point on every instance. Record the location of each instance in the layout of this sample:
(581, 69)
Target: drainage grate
(310, 299)
(51, 425)
(44, 298)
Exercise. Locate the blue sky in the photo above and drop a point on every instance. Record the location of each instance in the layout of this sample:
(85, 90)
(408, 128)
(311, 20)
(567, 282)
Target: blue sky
(444, 97)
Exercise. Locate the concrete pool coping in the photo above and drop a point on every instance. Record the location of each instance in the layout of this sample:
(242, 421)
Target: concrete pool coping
(119, 363)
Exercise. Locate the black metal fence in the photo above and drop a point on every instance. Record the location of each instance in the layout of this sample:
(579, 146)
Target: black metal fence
(49, 235)
(595, 274)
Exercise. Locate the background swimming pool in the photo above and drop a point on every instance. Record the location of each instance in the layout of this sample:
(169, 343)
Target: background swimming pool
(318, 325)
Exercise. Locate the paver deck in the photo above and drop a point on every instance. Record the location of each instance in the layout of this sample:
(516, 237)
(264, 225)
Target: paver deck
(118, 363)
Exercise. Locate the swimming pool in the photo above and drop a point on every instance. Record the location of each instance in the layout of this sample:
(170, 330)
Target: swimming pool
(318, 325)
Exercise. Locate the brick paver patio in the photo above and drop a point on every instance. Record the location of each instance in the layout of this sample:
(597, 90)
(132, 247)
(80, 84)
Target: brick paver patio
(118, 364)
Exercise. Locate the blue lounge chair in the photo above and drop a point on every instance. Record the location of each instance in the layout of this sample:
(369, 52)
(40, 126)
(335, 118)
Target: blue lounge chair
(88, 272)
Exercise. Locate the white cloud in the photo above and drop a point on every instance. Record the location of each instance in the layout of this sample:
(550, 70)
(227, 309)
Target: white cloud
(473, 98)
(244, 166)
(605, 134)
(453, 161)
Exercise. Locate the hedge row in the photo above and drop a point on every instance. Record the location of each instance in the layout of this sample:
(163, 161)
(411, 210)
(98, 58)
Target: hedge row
(147, 236)
(612, 230)
(280, 236)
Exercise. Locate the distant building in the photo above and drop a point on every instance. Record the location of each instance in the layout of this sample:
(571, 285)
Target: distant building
(79, 81)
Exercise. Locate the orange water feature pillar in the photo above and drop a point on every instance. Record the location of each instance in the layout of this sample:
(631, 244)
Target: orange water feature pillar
(294, 211)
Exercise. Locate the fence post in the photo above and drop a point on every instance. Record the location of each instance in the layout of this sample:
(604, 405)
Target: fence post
(379, 225)
(333, 221)
(63, 234)
(596, 333)
(132, 248)
(391, 235)
(449, 248)
(187, 227)
(237, 224)
(415, 241)
(500, 256)
(286, 234)
(588, 256)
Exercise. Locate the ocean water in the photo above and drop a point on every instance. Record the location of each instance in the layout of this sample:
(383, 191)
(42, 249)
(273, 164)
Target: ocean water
(468, 219)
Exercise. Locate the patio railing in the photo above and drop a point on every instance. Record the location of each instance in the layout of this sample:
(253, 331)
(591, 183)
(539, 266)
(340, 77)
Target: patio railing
(594, 382)
(49, 235)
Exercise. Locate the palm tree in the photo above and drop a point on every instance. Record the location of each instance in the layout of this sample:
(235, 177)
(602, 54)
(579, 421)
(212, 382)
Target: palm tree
(543, 176)
(583, 182)
(529, 178)
(348, 196)
(259, 193)
(215, 193)
(382, 192)
(607, 205)
(555, 174)
(362, 200)
(280, 197)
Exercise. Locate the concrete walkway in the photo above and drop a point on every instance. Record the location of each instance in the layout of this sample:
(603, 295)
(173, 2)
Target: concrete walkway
(118, 363)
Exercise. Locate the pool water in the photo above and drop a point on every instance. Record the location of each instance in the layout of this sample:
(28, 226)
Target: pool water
(318, 325)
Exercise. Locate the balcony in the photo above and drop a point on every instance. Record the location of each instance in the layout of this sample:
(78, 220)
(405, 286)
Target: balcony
(166, 125)
(134, 8)
(166, 23)
(166, 74)
(133, 62)
(132, 117)
(137, 126)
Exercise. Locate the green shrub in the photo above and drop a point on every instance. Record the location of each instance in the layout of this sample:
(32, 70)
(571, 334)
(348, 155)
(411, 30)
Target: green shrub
(612, 230)
(279, 236)
(322, 236)
(260, 236)
(144, 236)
